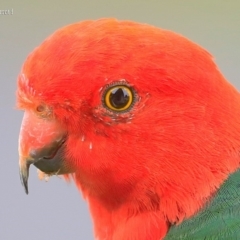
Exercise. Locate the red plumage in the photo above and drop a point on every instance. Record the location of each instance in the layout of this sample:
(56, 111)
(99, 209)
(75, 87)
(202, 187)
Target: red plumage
(152, 166)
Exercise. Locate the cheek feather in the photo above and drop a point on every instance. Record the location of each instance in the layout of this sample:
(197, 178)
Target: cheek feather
(90, 145)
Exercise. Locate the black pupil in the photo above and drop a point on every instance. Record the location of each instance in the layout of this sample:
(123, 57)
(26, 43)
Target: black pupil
(119, 98)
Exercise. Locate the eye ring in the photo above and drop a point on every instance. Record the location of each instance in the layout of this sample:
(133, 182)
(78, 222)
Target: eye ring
(119, 97)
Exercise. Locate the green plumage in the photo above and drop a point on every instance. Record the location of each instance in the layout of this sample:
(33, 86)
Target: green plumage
(219, 220)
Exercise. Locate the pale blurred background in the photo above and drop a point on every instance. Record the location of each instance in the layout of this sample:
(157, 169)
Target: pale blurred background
(55, 210)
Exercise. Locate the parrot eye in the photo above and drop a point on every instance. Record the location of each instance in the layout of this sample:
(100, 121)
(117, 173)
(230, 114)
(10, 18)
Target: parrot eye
(119, 97)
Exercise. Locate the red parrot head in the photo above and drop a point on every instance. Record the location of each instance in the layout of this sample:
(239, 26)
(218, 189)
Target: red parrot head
(139, 116)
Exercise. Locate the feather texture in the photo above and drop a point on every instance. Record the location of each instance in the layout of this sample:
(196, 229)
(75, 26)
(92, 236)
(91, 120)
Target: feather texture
(158, 163)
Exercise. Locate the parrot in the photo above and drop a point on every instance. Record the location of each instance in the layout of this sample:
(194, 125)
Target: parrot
(144, 123)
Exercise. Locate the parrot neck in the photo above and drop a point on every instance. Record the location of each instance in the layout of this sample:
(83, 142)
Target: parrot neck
(219, 219)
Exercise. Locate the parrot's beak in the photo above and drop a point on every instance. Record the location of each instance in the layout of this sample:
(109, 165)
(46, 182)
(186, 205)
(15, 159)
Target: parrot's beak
(41, 142)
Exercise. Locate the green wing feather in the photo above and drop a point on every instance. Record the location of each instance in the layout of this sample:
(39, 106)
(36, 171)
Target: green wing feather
(219, 220)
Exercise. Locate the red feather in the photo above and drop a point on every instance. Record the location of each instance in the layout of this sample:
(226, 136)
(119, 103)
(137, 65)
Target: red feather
(157, 163)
